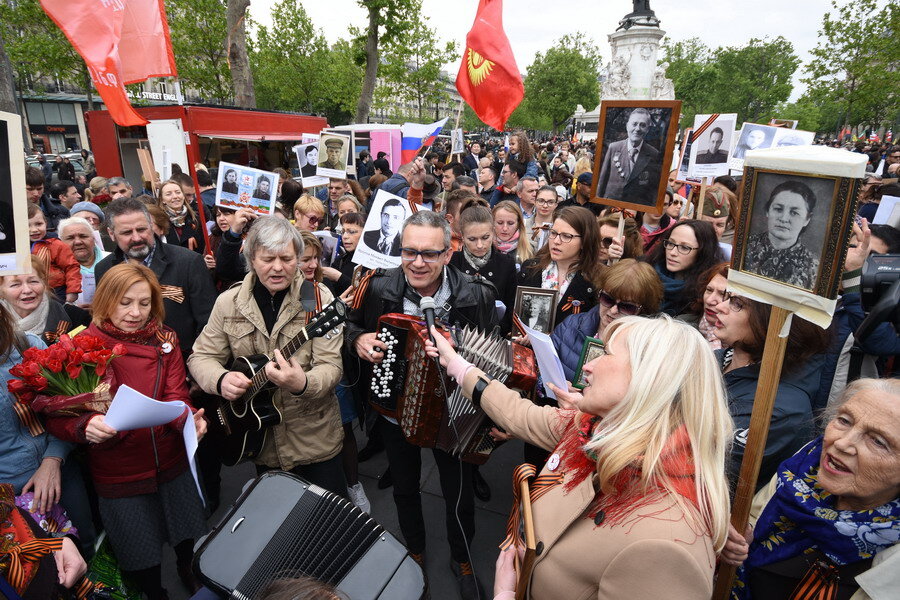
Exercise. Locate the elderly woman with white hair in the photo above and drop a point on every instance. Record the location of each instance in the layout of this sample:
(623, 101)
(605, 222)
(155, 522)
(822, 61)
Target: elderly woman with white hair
(269, 308)
(829, 521)
(633, 502)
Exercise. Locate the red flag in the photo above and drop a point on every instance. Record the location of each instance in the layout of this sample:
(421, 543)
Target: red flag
(488, 79)
(95, 28)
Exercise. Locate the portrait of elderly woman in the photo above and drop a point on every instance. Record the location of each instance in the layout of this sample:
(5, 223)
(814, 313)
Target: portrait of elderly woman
(830, 518)
(780, 246)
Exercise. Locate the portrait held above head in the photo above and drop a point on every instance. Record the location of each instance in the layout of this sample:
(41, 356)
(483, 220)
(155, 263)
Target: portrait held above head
(714, 152)
(386, 240)
(335, 154)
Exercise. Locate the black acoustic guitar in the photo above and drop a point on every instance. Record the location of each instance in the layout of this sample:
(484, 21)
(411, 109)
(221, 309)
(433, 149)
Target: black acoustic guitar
(242, 425)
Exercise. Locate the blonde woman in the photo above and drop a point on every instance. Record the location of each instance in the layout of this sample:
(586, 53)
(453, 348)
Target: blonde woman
(510, 236)
(582, 165)
(309, 213)
(636, 504)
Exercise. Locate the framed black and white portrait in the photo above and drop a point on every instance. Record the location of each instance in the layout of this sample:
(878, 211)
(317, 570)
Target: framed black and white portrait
(334, 150)
(711, 148)
(536, 307)
(635, 143)
(592, 349)
(791, 228)
(752, 136)
(15, 246)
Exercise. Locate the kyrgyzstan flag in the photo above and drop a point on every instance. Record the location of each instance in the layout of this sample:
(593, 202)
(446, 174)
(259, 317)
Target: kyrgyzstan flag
(488, 79)
(121, 41)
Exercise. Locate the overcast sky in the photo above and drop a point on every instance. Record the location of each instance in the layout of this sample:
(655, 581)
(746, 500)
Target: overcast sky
(534, 25)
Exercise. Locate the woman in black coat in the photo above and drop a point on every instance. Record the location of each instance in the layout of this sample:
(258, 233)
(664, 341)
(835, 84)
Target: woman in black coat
(478, 257)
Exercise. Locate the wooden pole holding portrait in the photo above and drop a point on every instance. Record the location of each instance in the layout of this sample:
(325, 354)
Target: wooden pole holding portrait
(818, 186)
(763, 403)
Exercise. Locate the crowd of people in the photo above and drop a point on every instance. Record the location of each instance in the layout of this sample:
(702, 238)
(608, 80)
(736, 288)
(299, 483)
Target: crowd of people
(640, 460)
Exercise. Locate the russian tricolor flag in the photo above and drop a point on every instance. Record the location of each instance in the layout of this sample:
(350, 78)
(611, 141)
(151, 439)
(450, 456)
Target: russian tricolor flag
(416, 136)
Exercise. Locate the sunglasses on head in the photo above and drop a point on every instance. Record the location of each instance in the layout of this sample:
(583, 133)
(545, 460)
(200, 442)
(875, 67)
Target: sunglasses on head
(626, 308)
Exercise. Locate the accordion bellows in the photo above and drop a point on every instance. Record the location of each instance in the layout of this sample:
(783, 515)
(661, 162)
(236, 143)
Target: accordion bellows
(407, 386)
(283, 527)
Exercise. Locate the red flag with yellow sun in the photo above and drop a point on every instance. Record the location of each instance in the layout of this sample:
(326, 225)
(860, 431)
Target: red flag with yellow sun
(488, 79)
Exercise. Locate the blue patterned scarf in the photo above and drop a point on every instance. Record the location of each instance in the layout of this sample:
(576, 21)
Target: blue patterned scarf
(802, 516)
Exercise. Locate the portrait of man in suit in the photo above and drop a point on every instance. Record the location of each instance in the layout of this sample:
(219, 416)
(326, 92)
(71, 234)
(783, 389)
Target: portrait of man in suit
(386, 240)
(631, 167)
(713, 153)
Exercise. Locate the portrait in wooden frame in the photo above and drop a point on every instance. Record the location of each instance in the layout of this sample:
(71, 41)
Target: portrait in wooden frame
(593, 347)
(536, 307)
(793, 227)
(635, 139)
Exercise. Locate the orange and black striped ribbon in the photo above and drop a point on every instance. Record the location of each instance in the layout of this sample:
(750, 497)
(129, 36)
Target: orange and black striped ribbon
(706, 125)
(61, 329)
(166, 336)
(819, 583)
(360, 293)
(572, 304)
(540, 486)
(28, 418)
(29, 552)
(173, 293)
(518, 325)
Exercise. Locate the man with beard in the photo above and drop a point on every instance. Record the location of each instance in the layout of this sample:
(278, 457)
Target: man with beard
(187, 287)
(78, 235)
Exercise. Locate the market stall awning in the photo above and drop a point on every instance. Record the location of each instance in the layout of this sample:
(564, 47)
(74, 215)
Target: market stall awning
(250, 137)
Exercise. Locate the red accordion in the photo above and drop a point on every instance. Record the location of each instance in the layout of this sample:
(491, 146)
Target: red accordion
(406, 386)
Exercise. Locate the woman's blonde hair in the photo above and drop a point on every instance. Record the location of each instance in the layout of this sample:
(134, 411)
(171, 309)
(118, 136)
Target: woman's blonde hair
(116, 282)
(582, 165)
(668, 390)
(307, 203)
(524, 251)
(311, 240)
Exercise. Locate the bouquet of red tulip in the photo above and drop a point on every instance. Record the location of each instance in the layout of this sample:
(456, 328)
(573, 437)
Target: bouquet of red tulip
(70, 377)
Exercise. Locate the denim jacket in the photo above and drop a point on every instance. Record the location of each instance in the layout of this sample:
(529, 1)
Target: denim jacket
(22, 453)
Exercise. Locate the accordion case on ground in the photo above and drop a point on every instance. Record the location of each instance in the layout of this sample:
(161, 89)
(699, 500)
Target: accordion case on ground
(407, 386)
(285, 527)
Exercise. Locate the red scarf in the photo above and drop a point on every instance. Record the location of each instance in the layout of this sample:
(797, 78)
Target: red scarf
(676, 463)
(147, 335)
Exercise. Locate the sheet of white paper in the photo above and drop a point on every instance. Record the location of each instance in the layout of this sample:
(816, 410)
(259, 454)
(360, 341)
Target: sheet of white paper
(887, 213)
(547, 359)
(131, 409)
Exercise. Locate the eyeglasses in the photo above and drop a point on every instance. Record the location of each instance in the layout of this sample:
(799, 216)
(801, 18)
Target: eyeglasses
(682, 248)
(626, 308)
(429, 256)
(565, 238)
(737, 303)
(675, 202)
(546, 202)
(313, 219)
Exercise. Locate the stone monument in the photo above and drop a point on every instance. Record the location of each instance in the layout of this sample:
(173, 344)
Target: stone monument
(632, 72)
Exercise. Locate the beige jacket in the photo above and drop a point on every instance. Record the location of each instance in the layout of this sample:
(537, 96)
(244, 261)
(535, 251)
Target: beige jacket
(311, 430)
(658, 556)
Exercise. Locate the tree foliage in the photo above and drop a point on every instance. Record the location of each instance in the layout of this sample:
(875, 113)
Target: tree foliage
(36, 47)
(558, 80)
(411, 71)
(855, 64)
(750, 80)
(199, 32)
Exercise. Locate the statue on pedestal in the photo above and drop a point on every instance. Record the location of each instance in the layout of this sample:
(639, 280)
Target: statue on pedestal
(618, 80)
(662, 87)
(641, 14)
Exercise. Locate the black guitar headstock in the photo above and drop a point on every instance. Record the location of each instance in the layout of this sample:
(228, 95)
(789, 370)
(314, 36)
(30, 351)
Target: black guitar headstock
(329, 318)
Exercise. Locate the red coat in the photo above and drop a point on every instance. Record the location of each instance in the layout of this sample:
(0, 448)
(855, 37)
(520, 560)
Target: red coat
(62, 268)
(135, 462)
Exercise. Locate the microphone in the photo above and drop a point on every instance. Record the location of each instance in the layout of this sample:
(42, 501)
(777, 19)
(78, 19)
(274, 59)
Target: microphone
(426, 304)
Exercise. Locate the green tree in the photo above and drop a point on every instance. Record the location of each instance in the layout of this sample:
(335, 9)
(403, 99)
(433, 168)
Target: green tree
(342, 84)
(38, 49)
(561, 78)
(751, 80)
(287, 60)
(691, 71)
(389, 21)
(411, 69)
(199, 34)
(856, 61)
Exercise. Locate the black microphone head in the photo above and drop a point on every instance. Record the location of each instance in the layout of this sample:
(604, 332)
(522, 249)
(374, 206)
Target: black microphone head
(427, 303)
